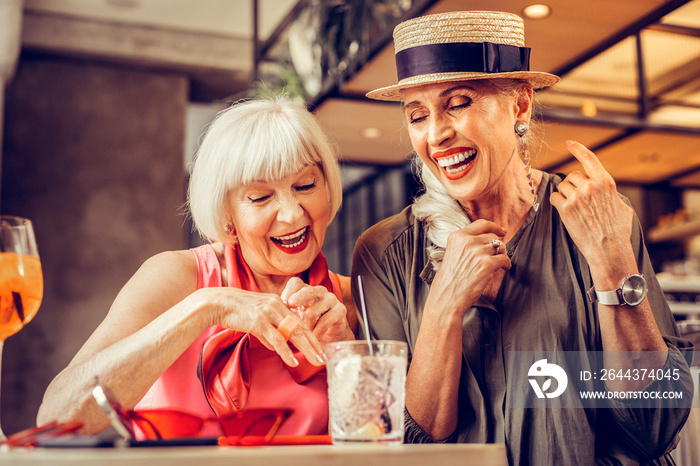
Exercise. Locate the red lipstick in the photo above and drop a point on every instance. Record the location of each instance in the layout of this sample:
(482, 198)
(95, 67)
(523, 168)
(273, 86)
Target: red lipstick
(455, 163)
(296, 249)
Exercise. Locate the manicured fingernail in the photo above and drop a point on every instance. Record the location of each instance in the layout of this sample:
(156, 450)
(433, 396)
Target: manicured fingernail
(570, 143)
(320, 359)
(295, 363)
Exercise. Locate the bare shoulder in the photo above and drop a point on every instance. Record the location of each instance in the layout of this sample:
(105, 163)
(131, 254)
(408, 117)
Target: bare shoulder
(169, 265)
(161, 282)
(168, 276)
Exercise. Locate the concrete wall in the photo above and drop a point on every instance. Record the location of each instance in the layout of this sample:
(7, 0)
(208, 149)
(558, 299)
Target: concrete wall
(93, 155)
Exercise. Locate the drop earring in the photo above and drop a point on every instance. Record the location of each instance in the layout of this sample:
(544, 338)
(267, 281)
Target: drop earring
(521, 129)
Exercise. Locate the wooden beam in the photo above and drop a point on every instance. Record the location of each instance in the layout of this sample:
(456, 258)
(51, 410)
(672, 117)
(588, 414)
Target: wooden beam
(143, 45)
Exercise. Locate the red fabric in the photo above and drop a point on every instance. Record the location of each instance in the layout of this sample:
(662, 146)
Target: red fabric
(252, 440)
(226, 358)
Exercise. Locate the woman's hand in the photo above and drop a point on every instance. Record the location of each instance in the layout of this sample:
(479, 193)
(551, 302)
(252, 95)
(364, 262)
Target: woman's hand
(469, 264)
(319, 309)
(600, 223)
(260, 314)
(598, 220)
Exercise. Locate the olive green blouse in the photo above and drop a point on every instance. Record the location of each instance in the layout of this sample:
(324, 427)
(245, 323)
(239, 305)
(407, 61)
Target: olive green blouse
(541, 306)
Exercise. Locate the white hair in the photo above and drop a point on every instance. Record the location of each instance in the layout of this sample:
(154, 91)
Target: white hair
(441, 212)
(265, 139)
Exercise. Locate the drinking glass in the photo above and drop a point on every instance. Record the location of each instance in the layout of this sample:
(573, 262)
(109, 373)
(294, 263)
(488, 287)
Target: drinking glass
(21, 280)
(366, 391)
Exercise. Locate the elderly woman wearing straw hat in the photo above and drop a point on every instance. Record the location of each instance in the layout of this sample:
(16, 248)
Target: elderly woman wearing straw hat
(498, 267)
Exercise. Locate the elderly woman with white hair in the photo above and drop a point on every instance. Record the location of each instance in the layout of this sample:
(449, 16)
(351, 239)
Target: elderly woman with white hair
(208, 330)
(509, 284)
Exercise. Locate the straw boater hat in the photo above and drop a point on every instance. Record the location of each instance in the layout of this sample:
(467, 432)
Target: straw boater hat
(461, 46)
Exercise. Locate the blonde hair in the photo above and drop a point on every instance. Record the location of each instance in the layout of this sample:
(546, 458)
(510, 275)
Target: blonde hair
(441, 213)
(264, 139)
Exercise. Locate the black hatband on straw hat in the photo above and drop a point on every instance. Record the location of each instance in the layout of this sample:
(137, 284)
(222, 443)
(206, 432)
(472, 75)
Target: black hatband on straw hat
(461, 46)
(455, 57)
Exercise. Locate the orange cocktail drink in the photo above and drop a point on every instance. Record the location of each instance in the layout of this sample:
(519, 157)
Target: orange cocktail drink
(21, 290)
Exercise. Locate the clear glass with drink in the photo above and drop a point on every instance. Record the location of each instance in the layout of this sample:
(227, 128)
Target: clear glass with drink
(366, 391)
(21, 279)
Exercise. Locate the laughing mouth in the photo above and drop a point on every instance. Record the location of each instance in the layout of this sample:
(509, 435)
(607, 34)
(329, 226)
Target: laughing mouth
(292, 240)
(457, 162)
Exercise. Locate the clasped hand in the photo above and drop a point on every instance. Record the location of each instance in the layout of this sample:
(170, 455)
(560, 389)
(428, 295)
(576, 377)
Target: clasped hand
(318, 308)
(323, 317)
(474, 254)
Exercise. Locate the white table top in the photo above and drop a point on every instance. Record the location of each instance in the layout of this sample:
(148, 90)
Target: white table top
(327, 455)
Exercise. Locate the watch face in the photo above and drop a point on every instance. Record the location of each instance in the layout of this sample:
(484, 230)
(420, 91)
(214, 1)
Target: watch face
(634, 290)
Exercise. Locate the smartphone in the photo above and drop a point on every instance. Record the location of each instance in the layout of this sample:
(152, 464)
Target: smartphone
(103, 441)
(113, 410)
(122, 425)
(82, 441)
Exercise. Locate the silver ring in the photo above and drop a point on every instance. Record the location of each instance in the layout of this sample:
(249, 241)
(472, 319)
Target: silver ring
(496, 243)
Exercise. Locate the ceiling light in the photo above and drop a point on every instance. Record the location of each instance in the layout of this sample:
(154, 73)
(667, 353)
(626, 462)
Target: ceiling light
(371, 133)
(537, 11)
(589, 109)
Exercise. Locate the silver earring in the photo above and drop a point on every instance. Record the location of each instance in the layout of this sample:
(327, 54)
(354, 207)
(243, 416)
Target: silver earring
(228, 228)
(521, 129)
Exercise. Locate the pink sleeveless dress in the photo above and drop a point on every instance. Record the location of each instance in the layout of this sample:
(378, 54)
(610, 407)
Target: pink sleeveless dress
(179, 386)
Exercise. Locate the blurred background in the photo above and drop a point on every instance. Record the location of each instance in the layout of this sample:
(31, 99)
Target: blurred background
(103, 103)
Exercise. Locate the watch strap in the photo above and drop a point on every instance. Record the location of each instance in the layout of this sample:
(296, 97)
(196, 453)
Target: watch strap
(590, 294)
(608, 298)
(612, 297)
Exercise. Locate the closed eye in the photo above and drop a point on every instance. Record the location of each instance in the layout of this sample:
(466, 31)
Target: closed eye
(459, 102)
(460, 106)
(417, 117)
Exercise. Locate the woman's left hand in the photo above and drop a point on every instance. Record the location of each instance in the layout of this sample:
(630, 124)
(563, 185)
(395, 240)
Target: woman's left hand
(598, 220)
(600, 223)
(324, 314)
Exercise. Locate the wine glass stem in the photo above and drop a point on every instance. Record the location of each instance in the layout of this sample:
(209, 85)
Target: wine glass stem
(2, 434)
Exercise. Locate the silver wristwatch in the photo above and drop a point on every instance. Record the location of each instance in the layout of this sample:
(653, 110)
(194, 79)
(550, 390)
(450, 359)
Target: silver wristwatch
(631, 292)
